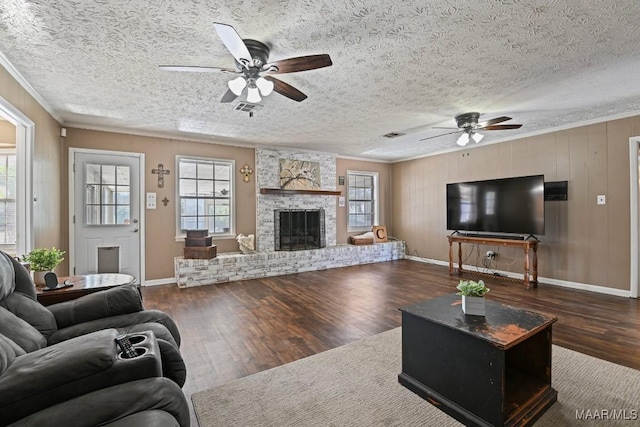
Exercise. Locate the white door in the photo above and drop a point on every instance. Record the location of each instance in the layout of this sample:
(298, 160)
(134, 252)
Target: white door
(106, 209)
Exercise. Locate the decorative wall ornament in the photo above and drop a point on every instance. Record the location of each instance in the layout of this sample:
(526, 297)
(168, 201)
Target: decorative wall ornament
(246, 243)
(161, 172)
(299, 175)
(246, 171)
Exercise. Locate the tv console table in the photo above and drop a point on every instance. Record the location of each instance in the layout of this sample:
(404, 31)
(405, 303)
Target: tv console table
(529, 245)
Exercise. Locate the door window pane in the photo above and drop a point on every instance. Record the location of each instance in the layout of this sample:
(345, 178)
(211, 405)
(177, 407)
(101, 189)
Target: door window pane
(107, 194)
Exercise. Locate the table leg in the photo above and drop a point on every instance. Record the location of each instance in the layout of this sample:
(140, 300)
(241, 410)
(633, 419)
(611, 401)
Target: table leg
(459, 257)
(527, 284)
(535, 266)
(450, 258)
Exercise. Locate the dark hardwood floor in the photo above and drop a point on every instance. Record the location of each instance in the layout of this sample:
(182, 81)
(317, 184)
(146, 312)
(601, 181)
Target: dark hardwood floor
(236, 329)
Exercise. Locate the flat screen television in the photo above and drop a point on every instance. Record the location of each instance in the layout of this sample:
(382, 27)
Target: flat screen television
(507, 205)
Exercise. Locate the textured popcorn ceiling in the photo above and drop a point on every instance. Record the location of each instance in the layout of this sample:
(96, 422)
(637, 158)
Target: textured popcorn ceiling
(398, 66)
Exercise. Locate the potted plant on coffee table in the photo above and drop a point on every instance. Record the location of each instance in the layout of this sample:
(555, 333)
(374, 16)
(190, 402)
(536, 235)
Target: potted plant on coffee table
(473, 302)
(41, 261)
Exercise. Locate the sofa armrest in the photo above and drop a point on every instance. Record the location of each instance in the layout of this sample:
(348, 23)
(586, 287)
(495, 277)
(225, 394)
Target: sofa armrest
(114, 403)
(42, 378)
(111, 302)
(123, 321)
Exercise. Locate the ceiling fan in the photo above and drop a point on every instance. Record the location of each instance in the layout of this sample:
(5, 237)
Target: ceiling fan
(468, 124)
(251, 63)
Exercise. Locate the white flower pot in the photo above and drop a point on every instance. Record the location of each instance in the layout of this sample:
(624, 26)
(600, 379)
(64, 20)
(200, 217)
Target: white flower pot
(473, 306)
(38, 278)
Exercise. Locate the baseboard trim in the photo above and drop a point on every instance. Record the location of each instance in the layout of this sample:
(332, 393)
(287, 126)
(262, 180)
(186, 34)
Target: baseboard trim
(545, 280)
(157, 282)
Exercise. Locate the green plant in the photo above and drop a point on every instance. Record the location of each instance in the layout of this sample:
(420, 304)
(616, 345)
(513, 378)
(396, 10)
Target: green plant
(469, 288)
(44, 259)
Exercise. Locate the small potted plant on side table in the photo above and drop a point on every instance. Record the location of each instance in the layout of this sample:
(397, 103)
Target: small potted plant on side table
(41, 261)
(473, 302)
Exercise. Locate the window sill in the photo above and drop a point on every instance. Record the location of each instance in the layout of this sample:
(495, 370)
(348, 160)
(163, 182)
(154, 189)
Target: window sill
(359, 229)
(215, 237)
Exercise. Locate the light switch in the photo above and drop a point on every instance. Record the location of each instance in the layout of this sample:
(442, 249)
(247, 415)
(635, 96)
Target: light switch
(151, 200)
(602, 199)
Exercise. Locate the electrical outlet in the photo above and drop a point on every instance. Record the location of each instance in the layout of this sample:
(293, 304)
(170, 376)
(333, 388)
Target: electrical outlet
(151, 200)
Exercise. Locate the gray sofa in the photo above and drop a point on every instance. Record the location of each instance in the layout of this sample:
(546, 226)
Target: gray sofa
(33, 326)
(84, 381)
(59, 365)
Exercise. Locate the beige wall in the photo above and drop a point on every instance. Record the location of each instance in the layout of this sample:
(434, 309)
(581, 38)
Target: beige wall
(7, 134)
(48, 220)
(584, 242)
(160, 242)
(384, 182)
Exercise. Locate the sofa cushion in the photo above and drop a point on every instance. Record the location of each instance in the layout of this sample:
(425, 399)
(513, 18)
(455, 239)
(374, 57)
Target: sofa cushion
(30, 311)
(112, 302)
(7, 276)
(8, 353)
(20, 332)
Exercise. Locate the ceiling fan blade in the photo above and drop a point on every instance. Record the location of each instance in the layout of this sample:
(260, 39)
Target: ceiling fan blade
(300, 63)
(197, 69)
(501, 127)
(286, 89)
(443, 134)
(228, 96)
(234, 43)
(492, 122)
(442, 127)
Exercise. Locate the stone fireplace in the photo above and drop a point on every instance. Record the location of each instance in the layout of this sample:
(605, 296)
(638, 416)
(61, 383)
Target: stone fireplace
(299, 229)
(267, 176)
(296, 210)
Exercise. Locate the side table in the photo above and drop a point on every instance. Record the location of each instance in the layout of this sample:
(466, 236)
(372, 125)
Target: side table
(82, 285)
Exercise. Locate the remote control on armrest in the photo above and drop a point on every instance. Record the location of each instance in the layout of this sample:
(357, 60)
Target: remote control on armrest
(125, 345)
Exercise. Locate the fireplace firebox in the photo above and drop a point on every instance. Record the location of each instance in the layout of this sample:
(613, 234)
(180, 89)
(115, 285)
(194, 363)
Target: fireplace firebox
(299, 229)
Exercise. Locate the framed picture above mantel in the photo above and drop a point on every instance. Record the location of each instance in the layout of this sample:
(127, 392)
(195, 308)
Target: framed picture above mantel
(299, 175)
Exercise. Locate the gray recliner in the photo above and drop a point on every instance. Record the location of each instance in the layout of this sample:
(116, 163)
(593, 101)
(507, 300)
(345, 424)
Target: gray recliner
(84, 381)
(32, 326)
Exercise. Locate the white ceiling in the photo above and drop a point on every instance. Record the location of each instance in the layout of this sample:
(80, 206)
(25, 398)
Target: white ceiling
(398, 66)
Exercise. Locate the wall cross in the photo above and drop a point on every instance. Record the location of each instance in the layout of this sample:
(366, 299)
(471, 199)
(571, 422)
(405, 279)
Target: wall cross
(161, 172)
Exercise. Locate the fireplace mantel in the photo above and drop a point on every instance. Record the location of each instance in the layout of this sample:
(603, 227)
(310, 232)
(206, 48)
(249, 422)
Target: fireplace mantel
(310, 192)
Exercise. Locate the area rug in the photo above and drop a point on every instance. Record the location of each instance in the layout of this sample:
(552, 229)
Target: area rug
(357, 385)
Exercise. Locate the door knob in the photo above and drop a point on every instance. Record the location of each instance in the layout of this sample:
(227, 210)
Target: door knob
(135, 230)
(135, 221)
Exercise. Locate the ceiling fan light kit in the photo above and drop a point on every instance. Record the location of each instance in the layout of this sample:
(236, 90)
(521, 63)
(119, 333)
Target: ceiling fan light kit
(477, 137)
(463, 140)
(468, 124)
(251, 58)
(253, 94)
(237, 85)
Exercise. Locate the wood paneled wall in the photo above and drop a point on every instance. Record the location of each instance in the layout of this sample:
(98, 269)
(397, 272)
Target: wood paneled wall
(583, 242)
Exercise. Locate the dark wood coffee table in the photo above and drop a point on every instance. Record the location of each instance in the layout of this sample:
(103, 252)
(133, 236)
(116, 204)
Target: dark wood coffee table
(483, 371)
(82, 285)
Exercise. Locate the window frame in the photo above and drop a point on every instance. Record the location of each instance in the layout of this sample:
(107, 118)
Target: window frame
(375, 195)
(12, 247)
(180, 235)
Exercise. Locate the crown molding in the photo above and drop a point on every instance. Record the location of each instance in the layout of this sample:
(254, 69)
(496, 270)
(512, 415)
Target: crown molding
(4, 61)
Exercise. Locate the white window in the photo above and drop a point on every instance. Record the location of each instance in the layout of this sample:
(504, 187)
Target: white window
(8, 200)
(206, 196)
(363, 200)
